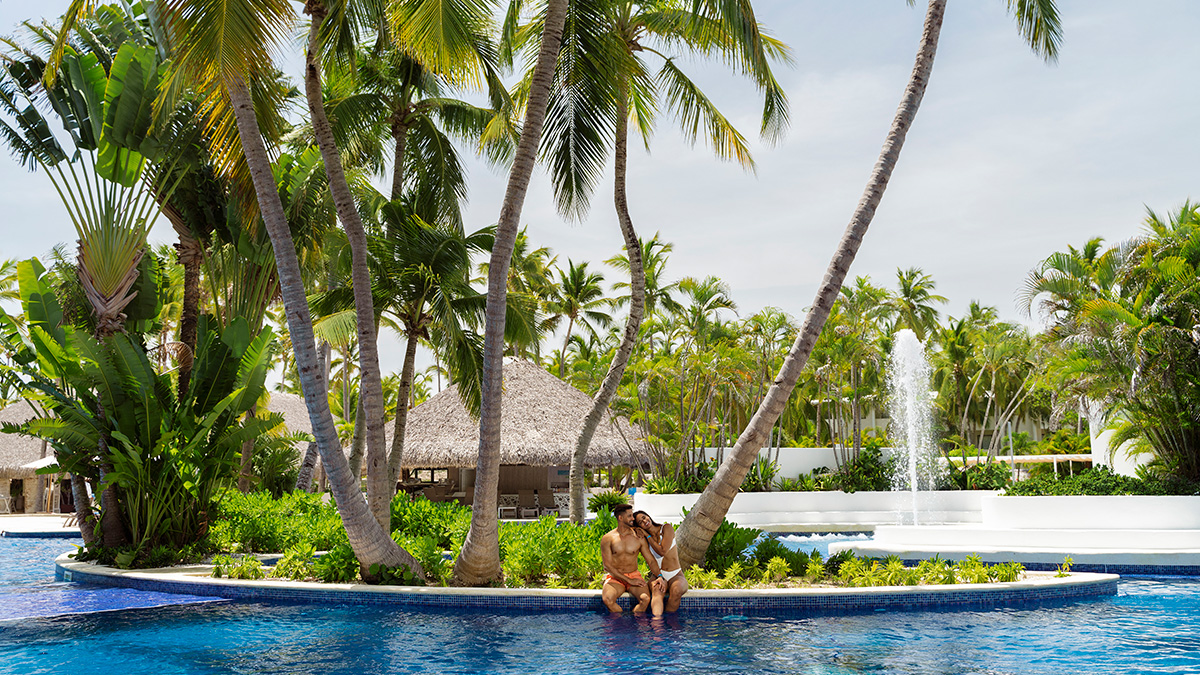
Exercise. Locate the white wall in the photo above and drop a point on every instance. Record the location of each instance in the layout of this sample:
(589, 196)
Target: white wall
(794, 461)
(827, 511)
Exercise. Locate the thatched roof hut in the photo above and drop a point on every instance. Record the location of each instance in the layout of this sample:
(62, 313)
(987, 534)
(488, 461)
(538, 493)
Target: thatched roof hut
(17, 450)
(293, 409)
(540, 421)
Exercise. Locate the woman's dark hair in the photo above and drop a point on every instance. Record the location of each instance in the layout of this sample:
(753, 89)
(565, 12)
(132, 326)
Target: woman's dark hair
(635, 515)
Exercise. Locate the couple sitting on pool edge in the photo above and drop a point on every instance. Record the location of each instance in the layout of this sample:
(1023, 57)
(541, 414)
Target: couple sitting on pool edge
(637, 533)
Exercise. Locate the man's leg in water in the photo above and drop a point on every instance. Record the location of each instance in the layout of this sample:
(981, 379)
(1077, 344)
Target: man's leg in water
(612, 591)
(642, 593)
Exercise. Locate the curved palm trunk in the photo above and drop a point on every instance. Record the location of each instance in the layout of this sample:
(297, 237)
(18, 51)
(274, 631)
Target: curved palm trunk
(637, 305)
(697, 529)
(403, 394)
(479, 561)
(371, 542)
(371, 382)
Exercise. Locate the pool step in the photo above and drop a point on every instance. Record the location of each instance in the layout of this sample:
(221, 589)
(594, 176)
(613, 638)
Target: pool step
(69, 599)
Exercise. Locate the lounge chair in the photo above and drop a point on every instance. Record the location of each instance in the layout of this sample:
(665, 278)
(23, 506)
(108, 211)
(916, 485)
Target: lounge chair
(5, 497)
(528, 504)
(508, 504)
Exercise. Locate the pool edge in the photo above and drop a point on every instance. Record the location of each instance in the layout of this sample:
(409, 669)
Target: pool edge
(1035, 590)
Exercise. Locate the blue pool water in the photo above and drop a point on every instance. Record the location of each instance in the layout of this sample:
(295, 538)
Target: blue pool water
(1151, 626)
(28, 589)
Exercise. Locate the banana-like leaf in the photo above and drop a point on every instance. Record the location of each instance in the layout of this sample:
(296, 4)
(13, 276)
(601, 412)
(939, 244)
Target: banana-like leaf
(38, 300)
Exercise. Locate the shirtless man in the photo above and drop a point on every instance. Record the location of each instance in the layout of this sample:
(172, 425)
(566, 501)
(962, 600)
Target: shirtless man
(619, 551)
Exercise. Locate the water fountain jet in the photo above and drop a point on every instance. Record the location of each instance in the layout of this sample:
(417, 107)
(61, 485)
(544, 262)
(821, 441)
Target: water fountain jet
(911, 410)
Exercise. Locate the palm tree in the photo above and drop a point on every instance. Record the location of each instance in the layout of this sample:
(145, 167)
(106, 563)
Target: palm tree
(422, 279)
(1039, 25)
(221, 53)
(390, 94)
(579, 299)
(914, 300)
(479, 561)
(605, 82)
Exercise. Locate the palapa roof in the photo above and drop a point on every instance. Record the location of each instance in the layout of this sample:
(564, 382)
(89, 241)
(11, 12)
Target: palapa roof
(540, 421)
(16, 449)
(293, 409)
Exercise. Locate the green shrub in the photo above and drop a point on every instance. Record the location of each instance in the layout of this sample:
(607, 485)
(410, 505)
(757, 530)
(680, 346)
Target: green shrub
(1065, 568)
(258, 522)
(428, 551)
(276, 462)
(805, 482)
(296, 563)
(833, 565)
(1101, 481)
(815, 571)
(770, 547)
(733, 576)
(761, 476)
(982, 476)
(247, 567)
(867, 472)
(728, 546)
(400, 575)
(698, 577)
(446, 522)
(337, 566)
(606, 500)
(1009, 571)
(545, 552)
(777, 570)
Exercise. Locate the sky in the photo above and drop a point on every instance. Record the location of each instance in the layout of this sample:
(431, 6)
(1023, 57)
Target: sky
(1009, 160)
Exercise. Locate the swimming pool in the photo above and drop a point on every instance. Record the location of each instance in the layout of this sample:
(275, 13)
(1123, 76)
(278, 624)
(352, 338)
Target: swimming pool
(1150, 626)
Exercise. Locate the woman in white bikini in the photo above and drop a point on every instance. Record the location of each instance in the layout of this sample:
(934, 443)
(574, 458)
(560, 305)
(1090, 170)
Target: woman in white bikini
(662, 544)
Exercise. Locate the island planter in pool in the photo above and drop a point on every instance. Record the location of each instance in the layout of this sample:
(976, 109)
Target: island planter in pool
(1033, 590)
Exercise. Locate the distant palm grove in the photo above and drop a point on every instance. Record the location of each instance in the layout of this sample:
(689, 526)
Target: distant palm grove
(149, 367)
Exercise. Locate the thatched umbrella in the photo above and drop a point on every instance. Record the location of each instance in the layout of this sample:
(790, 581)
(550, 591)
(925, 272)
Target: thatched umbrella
(17, 450)
(539, 425)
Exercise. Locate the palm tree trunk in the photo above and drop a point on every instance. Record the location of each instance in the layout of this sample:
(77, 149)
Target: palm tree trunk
(190, 254)
(304, 479)
(370, 390)
(479, 562)
(112, 527)
(637, 305)
(358, 440)
(403, 394)
(400, 136)
(83, 509)
(371, 542)
(697, 529)
(247, 468)
(562, 357)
